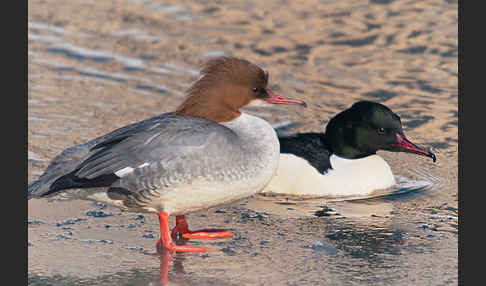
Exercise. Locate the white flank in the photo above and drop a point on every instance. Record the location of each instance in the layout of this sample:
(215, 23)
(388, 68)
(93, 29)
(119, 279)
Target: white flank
(348, 177)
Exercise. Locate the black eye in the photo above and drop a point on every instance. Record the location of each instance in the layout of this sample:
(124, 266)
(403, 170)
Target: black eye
(381, 130)
(255, 89)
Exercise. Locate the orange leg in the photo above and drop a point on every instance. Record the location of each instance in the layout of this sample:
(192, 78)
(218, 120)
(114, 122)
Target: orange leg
(182, 229)
(166, 242)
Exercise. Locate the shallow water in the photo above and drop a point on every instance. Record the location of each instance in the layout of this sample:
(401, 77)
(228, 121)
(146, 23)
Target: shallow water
(94, 66)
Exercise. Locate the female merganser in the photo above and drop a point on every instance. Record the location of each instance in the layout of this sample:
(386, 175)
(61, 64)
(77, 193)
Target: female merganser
(342, 161)
(204, 154)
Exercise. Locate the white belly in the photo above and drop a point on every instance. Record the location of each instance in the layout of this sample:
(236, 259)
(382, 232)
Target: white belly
(202, 195)
(295, 176)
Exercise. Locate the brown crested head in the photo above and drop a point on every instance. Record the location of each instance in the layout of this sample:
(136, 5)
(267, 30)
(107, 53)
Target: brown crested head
(226, 85)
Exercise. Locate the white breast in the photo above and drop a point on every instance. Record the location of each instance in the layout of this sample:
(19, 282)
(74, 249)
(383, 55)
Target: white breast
(346, 178)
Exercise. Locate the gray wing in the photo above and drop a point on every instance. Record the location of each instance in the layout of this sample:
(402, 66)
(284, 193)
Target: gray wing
(164, 145)
(175, 148)
(68, 160)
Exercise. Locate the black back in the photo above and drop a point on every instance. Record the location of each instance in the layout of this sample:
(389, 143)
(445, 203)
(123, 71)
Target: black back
(310, 146)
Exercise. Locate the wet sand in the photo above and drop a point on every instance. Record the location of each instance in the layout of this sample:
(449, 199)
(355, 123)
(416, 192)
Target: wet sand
(95, 66)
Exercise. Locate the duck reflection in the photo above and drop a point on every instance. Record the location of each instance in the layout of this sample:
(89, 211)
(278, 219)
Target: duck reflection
(165, 259)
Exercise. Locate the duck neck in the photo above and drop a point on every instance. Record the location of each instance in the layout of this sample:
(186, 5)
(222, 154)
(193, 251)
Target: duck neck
(253, 131)
(339, 146)
(212, 102)
(207, 110)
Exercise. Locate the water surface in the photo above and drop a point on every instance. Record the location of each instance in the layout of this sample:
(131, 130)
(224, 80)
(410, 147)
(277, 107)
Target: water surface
(96, 66)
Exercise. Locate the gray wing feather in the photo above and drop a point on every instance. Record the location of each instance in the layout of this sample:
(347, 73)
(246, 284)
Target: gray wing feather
(68, 160)
(164, 142)
(175, 148)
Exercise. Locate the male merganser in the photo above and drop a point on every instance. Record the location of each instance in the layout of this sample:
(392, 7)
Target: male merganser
(204, 154)
(343, 161)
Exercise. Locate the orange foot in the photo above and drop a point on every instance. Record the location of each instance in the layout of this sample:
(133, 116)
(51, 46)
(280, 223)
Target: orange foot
(183, 231)
(166, 242)
(171, 247)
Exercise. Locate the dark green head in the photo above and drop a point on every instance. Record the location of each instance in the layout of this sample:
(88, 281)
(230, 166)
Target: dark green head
(367, 127)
